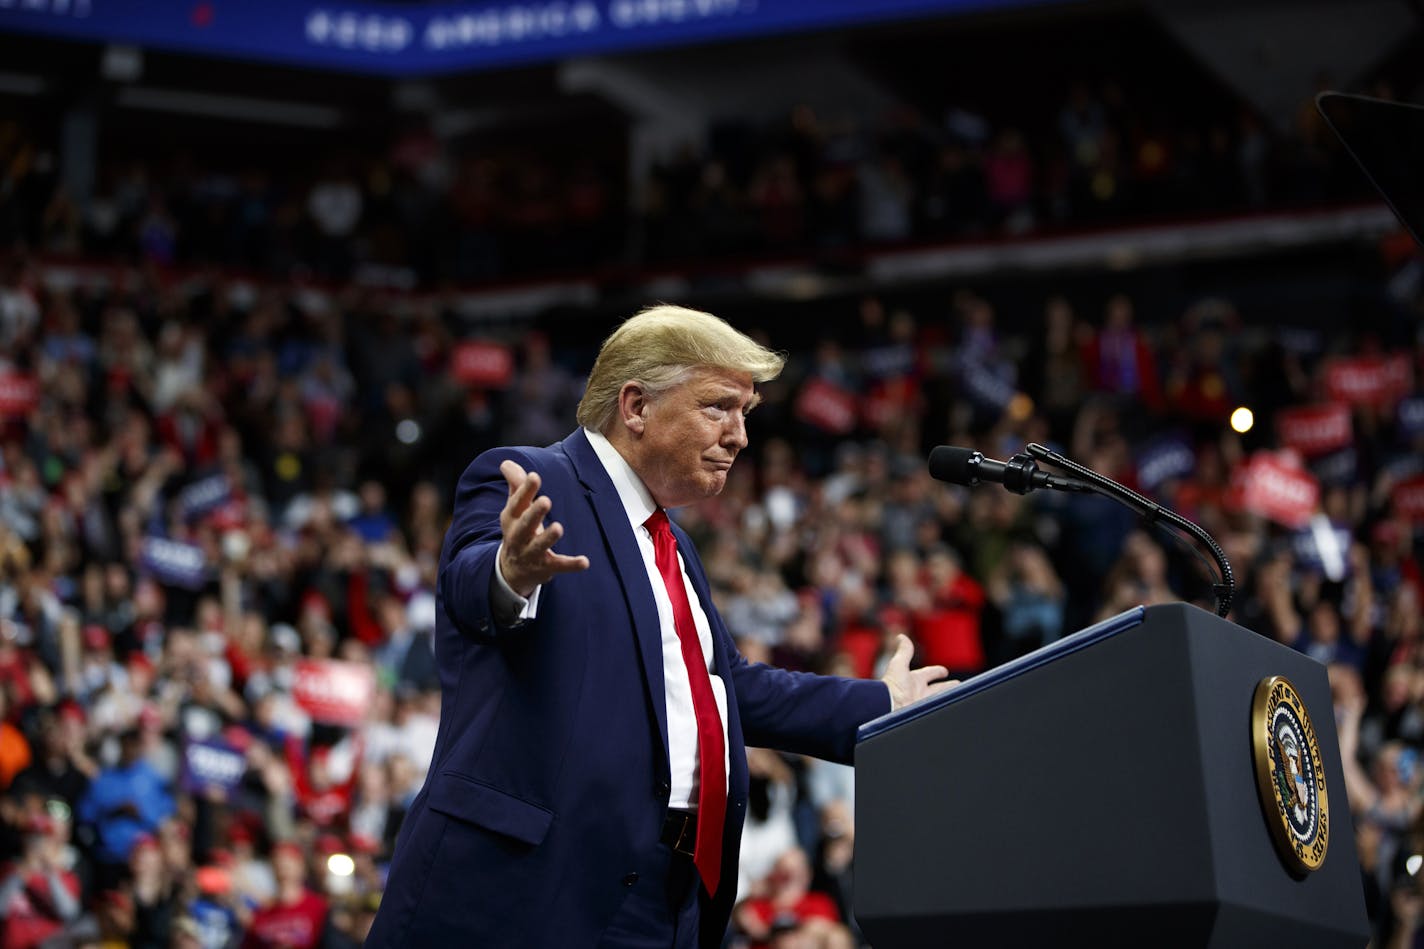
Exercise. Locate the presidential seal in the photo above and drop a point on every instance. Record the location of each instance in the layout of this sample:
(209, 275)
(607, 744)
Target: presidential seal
(1289, 775)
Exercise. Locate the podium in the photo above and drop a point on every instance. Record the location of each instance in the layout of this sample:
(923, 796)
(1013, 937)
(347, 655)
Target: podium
(1113, 789)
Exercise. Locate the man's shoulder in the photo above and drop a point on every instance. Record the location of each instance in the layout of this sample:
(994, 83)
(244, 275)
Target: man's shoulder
(547, 460)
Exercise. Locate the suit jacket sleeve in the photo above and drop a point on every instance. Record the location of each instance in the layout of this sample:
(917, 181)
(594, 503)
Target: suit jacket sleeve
(472, 542)
(801, 712)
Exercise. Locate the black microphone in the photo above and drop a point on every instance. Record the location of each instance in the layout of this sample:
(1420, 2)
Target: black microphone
(1020, 474)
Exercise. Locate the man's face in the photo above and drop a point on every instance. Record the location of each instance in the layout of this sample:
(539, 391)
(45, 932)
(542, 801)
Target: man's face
(288, 866)
(692, 434)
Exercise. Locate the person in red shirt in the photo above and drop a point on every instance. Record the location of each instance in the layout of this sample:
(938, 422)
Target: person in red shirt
(948, 628)
(296, 917)
(38, 897)
(785, 904)
(1118, 358)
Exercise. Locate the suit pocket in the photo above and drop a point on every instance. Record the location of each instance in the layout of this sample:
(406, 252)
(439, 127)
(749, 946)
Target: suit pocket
(473, 802)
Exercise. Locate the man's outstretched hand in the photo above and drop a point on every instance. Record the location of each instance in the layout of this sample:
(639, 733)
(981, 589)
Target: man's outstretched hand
(527, 559)
(910, 685)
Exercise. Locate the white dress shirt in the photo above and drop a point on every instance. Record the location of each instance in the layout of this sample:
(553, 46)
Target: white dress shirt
(677, 689)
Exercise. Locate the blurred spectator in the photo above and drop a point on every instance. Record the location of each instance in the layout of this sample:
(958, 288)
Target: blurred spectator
(1118, 359)
(775, 193)
(1055, 367)
(947, 624)
(116, 917)
(1030, 599)
(786, 912)
(155, 895)
(1008, 175)
(350, 922)
(1139, 577)
(14, 747)
(253, 881)
(215, 912)
(124, 805)
(885, 195)
(543, 397)
(759, 607)
(770, 830)
(955, 198)
(296, 917)
(1385, 797)
(39, 894)
(1082, 122)
(62, 767)
(1324, 640)
(1201, 382)
(335, 205)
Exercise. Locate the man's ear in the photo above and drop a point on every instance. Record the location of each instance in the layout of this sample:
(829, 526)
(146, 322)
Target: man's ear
(633, 405)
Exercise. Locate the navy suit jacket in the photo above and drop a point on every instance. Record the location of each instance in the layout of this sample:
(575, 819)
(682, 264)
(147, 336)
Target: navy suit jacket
(549, 784)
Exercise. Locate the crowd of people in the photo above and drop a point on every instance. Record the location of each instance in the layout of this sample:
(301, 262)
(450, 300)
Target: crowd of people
(416, 208)
(221, 510)
(826, 185)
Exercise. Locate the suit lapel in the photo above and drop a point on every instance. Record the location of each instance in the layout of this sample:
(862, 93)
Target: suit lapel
(627, 562)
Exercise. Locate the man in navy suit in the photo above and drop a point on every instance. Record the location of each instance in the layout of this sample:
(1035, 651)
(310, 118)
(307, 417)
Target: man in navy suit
(589, 781)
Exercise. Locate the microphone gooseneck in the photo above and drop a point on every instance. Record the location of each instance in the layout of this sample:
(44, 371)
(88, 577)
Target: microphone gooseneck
(1152, 512)
(1021, 474)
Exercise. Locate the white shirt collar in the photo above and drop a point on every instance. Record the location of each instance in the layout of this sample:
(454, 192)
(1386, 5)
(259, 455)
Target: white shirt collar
(637, 500)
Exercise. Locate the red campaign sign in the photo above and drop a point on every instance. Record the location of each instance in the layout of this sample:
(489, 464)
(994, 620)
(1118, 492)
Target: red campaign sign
(1408, 498)
(1316, 429)
(482, 363)
(333, 691)
(18, 394)
(1278, 490)
(826, 406)
(1379, 381)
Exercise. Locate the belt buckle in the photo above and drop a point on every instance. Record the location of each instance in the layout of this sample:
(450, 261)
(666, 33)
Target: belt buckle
(688, 821)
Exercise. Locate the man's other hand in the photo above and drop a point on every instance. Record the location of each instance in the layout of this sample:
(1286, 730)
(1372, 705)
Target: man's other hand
(910, 685)
(527, 559)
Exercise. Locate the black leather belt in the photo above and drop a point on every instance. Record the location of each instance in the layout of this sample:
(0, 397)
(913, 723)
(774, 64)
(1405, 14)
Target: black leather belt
(680, 831)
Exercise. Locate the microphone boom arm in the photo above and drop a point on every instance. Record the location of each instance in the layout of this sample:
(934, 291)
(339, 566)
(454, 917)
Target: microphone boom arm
(1224, 590)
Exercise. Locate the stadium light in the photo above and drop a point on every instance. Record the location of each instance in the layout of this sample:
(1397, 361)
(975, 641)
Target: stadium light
(1242, 420)
(340, 865)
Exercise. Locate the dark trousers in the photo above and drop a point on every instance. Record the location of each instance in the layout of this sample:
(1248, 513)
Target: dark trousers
(661, 911)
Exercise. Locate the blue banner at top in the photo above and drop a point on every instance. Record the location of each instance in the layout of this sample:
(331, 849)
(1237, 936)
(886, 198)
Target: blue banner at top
(402, 40)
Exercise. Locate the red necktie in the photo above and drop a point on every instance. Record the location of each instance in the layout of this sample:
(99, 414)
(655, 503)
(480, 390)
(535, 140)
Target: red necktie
(711, 761)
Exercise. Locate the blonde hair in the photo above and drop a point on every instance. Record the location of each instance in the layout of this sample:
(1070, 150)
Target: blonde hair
(658, 348)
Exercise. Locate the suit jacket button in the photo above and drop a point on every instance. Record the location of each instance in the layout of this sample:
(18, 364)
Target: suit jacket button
(630, 879)
(664, 789)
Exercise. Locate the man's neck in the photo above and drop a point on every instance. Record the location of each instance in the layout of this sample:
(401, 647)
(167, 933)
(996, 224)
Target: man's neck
(622, 443)
(632, 490)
